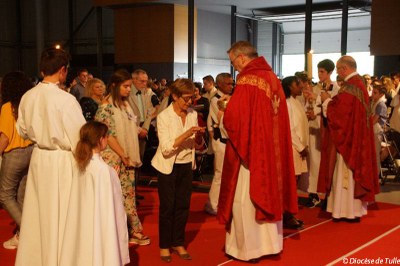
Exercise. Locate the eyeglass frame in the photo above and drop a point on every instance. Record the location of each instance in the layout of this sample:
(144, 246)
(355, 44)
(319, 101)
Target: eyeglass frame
(186, 99)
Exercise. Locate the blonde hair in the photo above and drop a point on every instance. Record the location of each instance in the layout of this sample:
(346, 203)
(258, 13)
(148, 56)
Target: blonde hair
(90, 85)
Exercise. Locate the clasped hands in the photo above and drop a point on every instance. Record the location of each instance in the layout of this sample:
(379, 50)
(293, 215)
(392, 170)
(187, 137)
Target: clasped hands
(196, 130)
(199, 132)
(324, 95)
(304, 153)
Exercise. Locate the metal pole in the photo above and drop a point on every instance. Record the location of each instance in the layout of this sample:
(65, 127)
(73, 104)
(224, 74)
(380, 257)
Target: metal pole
(39, 6)
(308, 29)
(19, 34)
(274, 57)
(345, 20)
(71, 27)
(99, 17)
(233, 32)
(190, 38)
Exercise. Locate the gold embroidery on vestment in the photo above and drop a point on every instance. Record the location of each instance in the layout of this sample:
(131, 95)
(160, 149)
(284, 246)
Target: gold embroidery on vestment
(262, 84)
(358, 93)
(253, 80)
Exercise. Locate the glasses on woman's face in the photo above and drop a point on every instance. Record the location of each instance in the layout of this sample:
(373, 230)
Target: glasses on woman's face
(187, 98)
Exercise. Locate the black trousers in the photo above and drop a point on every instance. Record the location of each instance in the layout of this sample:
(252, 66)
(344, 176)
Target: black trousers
(174, 191)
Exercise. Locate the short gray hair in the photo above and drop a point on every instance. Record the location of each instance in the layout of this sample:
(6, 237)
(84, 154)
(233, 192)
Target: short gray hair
(243, 47)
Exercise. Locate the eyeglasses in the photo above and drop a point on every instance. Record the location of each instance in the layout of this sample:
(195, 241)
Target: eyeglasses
(188, 98)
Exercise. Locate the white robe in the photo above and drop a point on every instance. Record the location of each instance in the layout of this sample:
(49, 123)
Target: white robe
(314, 156)
(341, 202)
(96, 231)
(299, 132)
(248, 238)
(51, 118)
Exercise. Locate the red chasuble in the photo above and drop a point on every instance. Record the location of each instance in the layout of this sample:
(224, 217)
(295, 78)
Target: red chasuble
(257, 123)
(350, 132)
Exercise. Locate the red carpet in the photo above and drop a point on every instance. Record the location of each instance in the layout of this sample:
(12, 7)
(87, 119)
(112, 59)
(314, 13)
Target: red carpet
(320, 243)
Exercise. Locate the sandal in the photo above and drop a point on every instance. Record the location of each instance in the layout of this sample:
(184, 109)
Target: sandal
(139, 239)
(184, 255)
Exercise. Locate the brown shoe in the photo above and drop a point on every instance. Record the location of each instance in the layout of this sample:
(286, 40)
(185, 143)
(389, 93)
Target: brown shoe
(165, 255)
(290, 222)
(183, 254)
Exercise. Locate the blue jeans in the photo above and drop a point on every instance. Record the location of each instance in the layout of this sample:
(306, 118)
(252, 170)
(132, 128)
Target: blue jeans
(13, 172)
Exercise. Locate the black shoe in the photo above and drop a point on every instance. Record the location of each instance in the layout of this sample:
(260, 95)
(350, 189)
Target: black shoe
(313, 200)
(299, 221)
(323, 204)
(354, 220)
(290, 222)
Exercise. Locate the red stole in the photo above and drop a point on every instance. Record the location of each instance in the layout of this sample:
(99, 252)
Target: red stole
(350, 133)
(257, 123)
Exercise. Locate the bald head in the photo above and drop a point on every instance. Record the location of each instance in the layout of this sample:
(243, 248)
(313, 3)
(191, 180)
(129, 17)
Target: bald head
(348, 61)
(345, 66)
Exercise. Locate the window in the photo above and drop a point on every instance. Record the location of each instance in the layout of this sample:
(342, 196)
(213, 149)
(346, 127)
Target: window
(293, 63)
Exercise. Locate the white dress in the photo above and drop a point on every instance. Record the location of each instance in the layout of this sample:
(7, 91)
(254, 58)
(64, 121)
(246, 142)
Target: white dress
(96, 231)
(51, 118)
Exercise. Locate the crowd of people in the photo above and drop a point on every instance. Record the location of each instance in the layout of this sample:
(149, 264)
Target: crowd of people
(79, 150)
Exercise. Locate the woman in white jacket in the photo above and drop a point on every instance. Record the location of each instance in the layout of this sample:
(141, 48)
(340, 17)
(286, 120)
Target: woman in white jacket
(177, 132)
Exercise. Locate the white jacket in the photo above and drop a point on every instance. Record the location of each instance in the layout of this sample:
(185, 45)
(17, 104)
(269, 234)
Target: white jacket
(168, 130)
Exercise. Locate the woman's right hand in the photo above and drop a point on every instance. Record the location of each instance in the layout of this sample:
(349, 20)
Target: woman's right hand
(195, 130)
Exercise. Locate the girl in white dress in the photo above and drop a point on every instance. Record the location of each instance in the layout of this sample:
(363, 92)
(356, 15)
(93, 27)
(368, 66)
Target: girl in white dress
(100, 234)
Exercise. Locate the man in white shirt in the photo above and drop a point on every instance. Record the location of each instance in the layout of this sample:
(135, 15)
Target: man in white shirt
(218, 138)
(210, 91)
(209, 87)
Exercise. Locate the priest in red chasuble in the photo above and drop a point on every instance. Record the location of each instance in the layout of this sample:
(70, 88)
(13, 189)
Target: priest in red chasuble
(348, 170)
(258, 181)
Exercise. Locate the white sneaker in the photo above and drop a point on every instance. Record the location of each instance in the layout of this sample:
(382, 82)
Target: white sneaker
(12, 243)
